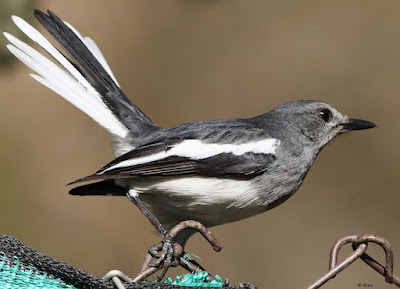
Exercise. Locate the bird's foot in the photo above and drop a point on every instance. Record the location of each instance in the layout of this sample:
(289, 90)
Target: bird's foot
(168, 253)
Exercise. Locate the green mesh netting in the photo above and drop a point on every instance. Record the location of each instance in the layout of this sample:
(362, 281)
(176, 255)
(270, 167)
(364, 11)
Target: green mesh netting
(199, 279)
(14, 275)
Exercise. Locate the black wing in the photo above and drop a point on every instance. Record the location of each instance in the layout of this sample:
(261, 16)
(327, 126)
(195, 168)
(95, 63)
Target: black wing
(226, 165)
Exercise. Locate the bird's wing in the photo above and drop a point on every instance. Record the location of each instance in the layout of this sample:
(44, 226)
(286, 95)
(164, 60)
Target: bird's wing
(191, 157)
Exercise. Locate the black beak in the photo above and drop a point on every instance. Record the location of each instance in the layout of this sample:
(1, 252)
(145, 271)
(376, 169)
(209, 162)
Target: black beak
(357, 124)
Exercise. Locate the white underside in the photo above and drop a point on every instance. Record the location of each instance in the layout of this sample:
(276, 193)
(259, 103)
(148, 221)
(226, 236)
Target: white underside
(211, 201)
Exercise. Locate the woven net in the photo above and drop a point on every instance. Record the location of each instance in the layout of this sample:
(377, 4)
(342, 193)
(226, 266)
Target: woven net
(23, 267)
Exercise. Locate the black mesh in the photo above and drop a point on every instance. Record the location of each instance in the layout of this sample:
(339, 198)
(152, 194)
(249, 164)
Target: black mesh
(28, 258)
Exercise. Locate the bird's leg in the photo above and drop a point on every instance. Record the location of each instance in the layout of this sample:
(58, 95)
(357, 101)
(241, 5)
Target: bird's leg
(170, 256)
(149, 215)
(171, 252)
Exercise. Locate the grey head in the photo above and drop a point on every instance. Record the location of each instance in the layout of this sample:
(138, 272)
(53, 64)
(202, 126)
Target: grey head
(317, 121)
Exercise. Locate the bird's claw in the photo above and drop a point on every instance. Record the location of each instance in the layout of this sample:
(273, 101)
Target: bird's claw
(168, 253)
(155, 249)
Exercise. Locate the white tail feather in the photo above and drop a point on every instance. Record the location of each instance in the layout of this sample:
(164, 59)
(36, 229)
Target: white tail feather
(66, 80)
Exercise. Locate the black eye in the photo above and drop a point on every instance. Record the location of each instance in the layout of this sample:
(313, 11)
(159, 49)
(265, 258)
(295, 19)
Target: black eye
(325, 114)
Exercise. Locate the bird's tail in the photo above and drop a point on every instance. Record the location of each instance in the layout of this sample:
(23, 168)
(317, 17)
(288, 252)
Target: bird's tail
(84, 79)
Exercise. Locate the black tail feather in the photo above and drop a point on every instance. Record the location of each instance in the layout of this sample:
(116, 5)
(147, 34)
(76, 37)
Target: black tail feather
(103, 188)
(96, 75)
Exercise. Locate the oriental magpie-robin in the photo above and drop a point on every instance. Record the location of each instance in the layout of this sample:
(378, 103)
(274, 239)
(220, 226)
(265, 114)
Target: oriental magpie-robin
(214, 172)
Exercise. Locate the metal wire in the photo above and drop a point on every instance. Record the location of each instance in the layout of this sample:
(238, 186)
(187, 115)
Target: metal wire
(360, 245)
(116, 276)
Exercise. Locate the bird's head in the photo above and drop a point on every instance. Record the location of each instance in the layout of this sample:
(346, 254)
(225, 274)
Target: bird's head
(318, 121)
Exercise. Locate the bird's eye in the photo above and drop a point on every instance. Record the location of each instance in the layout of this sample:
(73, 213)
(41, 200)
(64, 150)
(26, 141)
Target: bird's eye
(325, 114)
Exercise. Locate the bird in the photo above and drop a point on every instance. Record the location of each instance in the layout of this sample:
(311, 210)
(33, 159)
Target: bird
(214, 172)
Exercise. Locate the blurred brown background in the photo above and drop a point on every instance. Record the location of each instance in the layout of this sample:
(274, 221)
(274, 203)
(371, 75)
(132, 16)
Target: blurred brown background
(183, 61)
